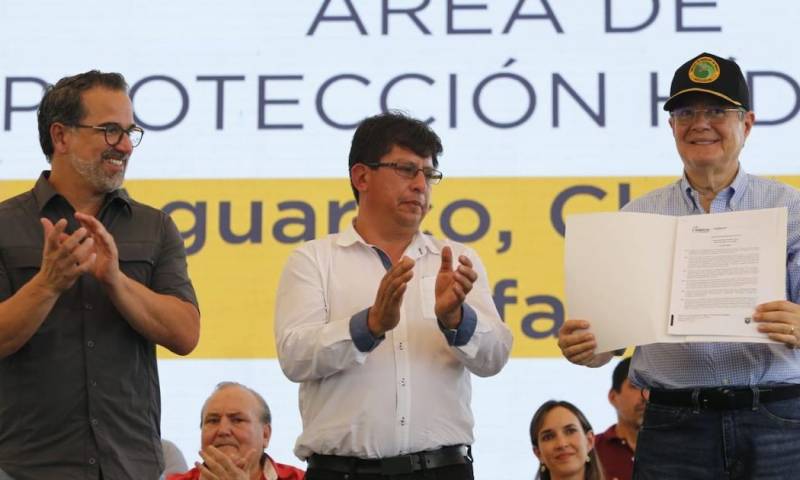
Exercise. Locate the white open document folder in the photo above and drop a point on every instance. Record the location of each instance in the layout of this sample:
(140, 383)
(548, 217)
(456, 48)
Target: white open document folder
(642, 278)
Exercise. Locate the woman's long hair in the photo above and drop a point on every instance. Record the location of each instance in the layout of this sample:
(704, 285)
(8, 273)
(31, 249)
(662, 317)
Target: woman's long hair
(593, 470)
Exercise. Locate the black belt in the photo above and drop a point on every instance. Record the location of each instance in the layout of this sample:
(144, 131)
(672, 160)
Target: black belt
(723, 398)
(429, 459)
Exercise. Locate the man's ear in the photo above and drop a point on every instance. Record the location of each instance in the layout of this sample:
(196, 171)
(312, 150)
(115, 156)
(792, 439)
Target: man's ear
(359, 177)
(267, 435)
(749, 121)
(612, 397)
(58, 136)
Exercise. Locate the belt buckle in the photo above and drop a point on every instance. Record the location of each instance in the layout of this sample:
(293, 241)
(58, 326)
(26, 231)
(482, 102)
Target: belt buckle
(397, 465)
(737, 399)
(723, 398)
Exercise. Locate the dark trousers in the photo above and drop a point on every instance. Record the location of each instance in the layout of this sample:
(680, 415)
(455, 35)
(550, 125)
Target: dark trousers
(452, 472)
(761, 442)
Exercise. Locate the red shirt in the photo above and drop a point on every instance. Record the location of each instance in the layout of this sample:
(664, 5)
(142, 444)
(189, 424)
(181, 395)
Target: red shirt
(285, 472)
(616, 456)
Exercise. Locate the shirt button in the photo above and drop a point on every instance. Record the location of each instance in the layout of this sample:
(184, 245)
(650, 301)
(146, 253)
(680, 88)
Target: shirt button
(90, 344)
(402, 382)
(88, 306)
(94, 421)
(93, 383)
(401, 346)
(92, 461)
(403, 421)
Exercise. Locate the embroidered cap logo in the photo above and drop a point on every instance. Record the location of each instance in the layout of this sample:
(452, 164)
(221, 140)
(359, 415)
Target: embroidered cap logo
(704, 70)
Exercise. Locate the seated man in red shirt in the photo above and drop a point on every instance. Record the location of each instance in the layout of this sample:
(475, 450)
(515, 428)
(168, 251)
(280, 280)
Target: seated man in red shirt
(235, 429)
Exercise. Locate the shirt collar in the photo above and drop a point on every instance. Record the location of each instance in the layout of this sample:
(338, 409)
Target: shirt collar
(735, 190)
(420, 244)
(611, 433)
(269, 472)
(43, 193)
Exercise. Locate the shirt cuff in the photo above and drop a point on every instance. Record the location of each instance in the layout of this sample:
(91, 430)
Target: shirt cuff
(359, 332)
(463, 334)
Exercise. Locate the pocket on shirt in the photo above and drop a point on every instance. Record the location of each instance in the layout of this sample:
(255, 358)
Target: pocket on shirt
(428, 295)
(22, 264)
(137, 260)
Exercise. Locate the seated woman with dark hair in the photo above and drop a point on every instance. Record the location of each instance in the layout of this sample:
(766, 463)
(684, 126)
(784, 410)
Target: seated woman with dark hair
(563, 442)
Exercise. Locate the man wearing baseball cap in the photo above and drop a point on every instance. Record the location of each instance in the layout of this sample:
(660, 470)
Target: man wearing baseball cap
(716, 410)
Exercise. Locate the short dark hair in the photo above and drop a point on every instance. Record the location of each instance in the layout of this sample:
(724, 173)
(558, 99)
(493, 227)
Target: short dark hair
(376, 135)
(62, 102)
(265, 416)
(620, 374)
(593, 469)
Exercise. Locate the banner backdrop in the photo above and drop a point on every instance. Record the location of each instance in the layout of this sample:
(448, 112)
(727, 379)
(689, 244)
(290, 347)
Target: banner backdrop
(545, 108)
(238, 234)
(515, 88)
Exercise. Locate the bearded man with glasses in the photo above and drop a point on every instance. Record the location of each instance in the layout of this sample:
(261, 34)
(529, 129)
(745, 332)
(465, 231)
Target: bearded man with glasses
(90, 282)
(716, 410)
(382, 324)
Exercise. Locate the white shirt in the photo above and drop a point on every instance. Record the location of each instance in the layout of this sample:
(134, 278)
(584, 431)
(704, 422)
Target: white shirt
(410, 393)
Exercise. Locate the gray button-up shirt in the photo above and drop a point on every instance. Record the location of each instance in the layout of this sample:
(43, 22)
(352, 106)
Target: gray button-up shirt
(83, 394)
(692, 365)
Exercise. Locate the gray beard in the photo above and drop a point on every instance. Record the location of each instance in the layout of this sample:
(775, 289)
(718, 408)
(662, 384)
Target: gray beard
(94, 174)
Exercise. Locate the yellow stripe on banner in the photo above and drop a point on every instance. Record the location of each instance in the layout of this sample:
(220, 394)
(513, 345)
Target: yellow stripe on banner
(239, 233)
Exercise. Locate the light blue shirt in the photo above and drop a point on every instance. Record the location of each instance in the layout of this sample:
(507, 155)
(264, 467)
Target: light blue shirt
(686, 365)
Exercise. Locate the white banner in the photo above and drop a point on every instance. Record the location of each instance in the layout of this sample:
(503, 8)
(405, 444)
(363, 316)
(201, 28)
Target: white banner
(245, 89)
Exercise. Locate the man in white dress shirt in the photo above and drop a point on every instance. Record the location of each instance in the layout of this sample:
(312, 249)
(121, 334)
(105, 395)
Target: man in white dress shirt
(383, 324)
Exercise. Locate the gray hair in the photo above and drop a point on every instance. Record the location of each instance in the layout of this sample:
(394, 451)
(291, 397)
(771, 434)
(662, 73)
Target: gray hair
(265, 417)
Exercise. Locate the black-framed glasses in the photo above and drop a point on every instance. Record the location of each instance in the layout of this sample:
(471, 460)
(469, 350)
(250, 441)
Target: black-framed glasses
(113, 133)
(714, 115)
(410, 170)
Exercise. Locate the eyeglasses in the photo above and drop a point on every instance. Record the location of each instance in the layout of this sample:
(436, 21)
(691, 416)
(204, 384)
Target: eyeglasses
(409, 170)
(113, 133)
(714, 115)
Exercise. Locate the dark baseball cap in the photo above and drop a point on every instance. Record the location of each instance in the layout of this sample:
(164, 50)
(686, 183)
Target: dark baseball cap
(708, 73)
